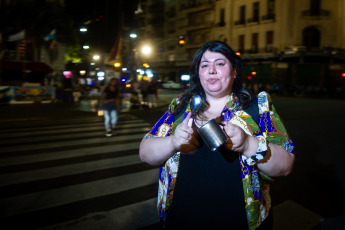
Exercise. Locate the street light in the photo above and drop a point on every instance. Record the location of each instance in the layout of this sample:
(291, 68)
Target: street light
(86, 47)
(96, 57)
(83, 29)
(133, 35)
(146, 50)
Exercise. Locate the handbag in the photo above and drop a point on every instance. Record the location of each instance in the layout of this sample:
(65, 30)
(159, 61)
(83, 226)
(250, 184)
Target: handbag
(100, 112)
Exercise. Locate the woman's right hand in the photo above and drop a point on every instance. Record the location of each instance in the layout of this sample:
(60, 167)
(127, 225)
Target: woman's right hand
(183, 134)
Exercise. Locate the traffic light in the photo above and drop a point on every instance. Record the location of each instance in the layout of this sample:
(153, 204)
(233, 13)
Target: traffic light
(181, 41)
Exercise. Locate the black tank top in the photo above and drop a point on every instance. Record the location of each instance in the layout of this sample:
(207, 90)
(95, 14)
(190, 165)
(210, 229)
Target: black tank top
(209, 192)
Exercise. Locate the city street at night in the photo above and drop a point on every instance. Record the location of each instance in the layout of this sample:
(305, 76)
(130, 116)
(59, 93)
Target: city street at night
(59, 171)
(83, 82)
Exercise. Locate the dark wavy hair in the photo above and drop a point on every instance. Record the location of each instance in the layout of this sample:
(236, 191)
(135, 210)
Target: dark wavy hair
(195, 88)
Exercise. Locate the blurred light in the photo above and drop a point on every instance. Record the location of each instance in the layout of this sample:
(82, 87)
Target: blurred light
(142, 72)
(83, 29)
(128, 85)
(149, 73)
(117, 64)
(123, 79)
(146, 50)
(92, 63)
(82, 72)
(124, 69)
(96, 57)
(133, 35)
(253, 73)
(238, 53)
(343, 74)
(87, 22)
(67, 74)
(86, 47)
(146, 65)
(249, 77)
(185, 77)
(181, 42)
(100, 75)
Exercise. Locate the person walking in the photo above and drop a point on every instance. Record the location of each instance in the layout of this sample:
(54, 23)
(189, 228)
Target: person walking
(110, 103)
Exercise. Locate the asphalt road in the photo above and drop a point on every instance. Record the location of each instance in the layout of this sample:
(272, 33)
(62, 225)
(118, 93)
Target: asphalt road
(317, 182)
(315, 188)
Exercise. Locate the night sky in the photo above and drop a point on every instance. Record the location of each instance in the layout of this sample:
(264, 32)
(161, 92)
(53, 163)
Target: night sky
(106, 17)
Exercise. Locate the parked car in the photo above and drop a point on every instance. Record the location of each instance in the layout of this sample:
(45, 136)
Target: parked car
(171, 85)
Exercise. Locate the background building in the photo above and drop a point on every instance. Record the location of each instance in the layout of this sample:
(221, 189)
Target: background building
(296, 43)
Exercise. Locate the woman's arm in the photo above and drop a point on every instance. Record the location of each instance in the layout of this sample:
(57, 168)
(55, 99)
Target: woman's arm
(156, 150)
(277, 162)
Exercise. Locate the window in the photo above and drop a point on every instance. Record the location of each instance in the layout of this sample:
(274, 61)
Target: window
(315, 6)
(243, 14)
(270, 7)
(269, 37)
(222, 17)
(269, 41)
(255, 42)
(256, 7)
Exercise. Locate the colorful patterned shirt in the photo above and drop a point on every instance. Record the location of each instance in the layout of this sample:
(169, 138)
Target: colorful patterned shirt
(256, 185)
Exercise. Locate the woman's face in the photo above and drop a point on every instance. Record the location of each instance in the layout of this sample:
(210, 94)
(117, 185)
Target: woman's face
(216, 74)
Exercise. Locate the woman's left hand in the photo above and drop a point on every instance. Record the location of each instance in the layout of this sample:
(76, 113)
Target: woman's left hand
(238, 139)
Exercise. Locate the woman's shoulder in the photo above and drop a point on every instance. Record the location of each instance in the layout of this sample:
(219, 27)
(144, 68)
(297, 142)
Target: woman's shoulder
(174, 103)
(264, 101)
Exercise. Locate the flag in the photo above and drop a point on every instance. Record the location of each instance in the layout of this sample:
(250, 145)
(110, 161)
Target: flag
(52, 44)
(117, 48)
(50, 36)
(17, 36)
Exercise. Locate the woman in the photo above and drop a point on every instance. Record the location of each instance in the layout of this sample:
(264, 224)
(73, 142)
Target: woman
(110, 103)
(228, 188)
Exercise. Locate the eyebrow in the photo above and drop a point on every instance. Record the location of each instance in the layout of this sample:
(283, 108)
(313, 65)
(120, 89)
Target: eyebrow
(219, 59)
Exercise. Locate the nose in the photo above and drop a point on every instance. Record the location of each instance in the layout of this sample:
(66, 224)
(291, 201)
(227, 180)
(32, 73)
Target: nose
(212, 69)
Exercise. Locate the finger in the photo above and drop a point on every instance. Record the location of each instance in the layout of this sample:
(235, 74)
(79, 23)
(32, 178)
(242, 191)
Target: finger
(190, 122)
(186, 120)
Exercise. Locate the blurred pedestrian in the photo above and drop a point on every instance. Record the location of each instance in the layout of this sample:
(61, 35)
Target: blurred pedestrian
(227, 187)
(110, 103)
(143, 85)
(152, 92)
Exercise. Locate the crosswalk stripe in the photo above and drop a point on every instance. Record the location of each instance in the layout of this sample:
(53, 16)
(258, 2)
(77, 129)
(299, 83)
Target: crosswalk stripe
(77, 210)
(67, 154)
(62, 167)
(47, 173)
(63, 135)
(95, 140)
(45, 130)
(76, 192)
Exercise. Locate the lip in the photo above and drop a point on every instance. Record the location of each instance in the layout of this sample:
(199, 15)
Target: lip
(212, 80)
